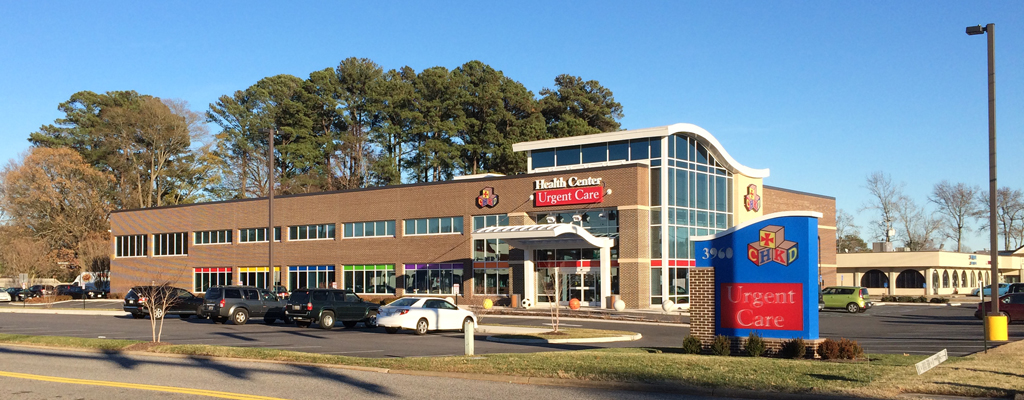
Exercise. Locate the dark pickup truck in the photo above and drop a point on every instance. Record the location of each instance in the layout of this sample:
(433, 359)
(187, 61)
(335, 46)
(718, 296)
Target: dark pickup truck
(327, 306)
(239, 303)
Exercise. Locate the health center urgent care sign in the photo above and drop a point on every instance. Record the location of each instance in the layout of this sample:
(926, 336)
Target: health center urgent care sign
(561, 191)
(766, 276)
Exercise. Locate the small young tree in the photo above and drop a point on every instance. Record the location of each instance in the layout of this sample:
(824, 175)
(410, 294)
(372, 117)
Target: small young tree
(158, 295)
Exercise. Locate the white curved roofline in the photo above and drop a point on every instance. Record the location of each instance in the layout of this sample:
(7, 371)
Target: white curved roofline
(713, 144)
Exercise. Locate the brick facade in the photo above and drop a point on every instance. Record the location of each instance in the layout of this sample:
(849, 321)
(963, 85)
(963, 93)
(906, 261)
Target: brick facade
(778, 200)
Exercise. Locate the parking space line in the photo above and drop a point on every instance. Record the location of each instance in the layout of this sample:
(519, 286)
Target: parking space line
(352, 352)
(157, 388)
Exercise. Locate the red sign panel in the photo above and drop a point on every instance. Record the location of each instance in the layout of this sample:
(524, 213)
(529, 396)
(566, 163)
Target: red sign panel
(559, 197)
(769, 306)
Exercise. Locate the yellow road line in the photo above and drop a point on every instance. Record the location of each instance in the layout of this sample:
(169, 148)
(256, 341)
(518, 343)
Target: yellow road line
(170, 389)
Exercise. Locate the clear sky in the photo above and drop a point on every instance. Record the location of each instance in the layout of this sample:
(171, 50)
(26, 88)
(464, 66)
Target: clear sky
(820, 92)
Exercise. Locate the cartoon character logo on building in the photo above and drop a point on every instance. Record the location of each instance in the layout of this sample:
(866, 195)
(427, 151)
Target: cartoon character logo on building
(771, 245)
(487, 198)
(752, 202)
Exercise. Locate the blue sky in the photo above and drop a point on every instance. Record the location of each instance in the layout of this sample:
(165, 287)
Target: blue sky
(821, 92)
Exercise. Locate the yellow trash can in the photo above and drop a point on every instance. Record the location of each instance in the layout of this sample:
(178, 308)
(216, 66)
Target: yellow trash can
(995, 328)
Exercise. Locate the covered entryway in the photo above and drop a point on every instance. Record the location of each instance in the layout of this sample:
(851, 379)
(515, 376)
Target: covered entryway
(589, 286)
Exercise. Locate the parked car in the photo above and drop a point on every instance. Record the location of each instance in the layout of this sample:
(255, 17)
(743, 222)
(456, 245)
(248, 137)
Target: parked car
(987, 290)
(821, 301)
(181, 302)
(1017, 287)
(41, 290)
(327, 306)
(4, 296)
(18, 294)
(74, 291)
(239, 303)
(281, 292)
(1011, 306)
(852, 298)
(423, 314)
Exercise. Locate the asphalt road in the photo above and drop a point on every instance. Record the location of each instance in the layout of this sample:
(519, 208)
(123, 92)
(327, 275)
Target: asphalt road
(883, 329)
(31, 373)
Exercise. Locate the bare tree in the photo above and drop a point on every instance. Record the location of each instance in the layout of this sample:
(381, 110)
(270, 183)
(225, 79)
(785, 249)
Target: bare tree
(844, 228)
(915, 226)
(957, 206)
(1009, 215)
(886, 198)
(157, 295)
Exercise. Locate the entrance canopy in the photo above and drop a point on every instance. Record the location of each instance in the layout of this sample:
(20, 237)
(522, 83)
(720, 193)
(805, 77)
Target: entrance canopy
(551, 236)
(548, 236)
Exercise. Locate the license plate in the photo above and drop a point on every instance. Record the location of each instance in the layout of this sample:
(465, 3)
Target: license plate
(209, 306)
(296, 308)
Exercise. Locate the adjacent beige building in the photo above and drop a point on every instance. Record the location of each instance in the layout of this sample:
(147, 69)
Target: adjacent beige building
(916, 273)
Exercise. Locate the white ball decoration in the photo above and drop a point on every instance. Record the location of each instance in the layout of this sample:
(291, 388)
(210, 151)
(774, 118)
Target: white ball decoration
(668, 305)
(619, 305)
(527, 303)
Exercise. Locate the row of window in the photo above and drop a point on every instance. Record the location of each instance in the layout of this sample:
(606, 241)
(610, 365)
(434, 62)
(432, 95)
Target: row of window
(174, 244)
(624, 150)
(912, 279)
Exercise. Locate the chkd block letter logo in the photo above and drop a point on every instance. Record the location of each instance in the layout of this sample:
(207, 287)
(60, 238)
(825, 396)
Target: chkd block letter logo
(752, 201)
(487, 198)
(771, 245)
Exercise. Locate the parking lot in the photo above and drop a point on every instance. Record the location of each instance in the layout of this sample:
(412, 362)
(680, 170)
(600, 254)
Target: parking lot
(891, 329)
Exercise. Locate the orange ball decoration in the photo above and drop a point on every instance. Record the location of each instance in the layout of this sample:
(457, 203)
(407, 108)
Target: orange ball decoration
(574, 304)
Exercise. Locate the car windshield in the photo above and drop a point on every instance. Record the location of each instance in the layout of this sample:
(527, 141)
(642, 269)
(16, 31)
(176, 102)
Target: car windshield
(406, 302)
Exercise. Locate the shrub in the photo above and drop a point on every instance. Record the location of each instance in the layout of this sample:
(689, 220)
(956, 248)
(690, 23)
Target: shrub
(692, 345)
(849, 349)
(721, 346)
(794, 348)
(939, 300)
(755, 346)
(921, 299)
(828, 349)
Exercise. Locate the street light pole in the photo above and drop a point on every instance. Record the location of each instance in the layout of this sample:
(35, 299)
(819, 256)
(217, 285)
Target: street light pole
(993, 239)
(270, 206)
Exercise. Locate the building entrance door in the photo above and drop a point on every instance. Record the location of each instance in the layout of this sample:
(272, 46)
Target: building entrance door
(573, 283)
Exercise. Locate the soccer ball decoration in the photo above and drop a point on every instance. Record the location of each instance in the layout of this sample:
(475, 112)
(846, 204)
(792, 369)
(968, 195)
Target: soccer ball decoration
(527, 303)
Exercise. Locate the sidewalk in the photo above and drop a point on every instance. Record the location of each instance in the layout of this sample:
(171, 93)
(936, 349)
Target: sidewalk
(659, 316)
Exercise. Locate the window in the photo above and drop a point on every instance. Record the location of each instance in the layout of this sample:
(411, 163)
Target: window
(874, 279)
(203, 278)
(370, 229)
(432, 278)
(254, 276)
(490, 281)
(567, 155)
(251, 235)
(490, 249)
(311, 232)
(213, 237)
(130, 246)
(595, 153)
(170, 244)
(433, 226)
(310, 276)
(909, 279)
(542, 158)
(370, 279)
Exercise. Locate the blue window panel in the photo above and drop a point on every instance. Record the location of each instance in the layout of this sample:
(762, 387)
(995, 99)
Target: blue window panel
(639, 149)
(681, 148)
(702, 192)
(567, 155)
(457, 224)
(543, 158)
(618, 150)
(595, 153)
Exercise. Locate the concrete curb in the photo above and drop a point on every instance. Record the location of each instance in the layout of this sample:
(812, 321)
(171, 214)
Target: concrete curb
(60, 311)
(607, 339)
(918, 304)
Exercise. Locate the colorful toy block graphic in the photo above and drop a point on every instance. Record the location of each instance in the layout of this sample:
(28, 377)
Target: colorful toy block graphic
(757, 254)
(771, 245)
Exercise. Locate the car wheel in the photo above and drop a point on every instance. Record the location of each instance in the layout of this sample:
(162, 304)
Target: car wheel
(327, 320)
(240, 317)
(390, 330)
(468, 320)
(422, 326)
(1003, 313)
(852, 308)
(302, 324)
(349, 324)
(158, 313)
(371, 321)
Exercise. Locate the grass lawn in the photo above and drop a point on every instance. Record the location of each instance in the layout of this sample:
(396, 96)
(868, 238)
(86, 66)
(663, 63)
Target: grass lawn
(996, 374)
(570, 333)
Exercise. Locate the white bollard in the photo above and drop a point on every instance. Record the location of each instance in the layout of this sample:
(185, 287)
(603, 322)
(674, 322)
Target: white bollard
(467, 328)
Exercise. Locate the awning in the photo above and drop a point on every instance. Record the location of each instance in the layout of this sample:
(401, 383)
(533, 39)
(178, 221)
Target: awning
(547, 236)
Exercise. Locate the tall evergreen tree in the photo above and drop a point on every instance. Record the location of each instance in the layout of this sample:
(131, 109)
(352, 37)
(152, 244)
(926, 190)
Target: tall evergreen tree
(576, 107)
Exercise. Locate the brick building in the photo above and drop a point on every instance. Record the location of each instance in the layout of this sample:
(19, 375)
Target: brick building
(602, 215)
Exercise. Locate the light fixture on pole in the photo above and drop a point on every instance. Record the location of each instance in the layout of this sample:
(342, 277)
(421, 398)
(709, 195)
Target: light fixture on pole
(992, 187)
(270, 199)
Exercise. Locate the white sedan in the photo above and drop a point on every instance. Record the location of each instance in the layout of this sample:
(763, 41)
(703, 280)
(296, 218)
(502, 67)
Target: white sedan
(4, 296)
(423, 314)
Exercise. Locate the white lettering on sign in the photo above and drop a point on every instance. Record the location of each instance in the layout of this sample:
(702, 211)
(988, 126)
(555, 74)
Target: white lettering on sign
(931, 362)
(560, 183)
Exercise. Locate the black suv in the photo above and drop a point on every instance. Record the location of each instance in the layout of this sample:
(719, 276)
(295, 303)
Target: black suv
(239, 303)
(327, 306)
(181, 302)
